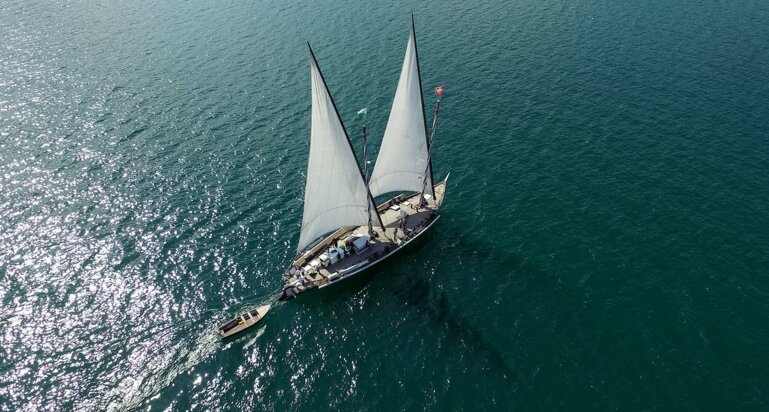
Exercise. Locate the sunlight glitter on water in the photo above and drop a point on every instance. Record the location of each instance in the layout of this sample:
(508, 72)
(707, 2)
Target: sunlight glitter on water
(152, 162)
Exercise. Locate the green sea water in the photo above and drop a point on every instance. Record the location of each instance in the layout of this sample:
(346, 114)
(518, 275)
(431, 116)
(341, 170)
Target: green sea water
(604, 242)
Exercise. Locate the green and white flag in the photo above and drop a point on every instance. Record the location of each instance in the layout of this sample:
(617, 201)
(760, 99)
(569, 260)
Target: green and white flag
(362, 113)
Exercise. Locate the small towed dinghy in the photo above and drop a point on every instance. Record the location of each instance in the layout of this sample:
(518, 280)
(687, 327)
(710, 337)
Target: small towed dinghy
(243, 322)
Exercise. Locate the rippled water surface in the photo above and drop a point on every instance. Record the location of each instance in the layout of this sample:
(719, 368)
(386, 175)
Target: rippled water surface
(604, 242)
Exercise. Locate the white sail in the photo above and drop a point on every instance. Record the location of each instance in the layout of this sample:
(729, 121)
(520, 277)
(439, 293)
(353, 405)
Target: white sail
(403, 157)
(335, 194)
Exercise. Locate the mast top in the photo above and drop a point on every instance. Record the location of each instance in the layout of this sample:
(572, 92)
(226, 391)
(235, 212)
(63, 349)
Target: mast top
(403, 162)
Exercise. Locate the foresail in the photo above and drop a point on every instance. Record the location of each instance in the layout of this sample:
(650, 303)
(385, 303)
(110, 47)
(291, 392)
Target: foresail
(335, 194)
(403, 157)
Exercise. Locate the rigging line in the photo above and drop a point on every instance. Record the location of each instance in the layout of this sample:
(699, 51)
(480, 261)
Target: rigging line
(422, 101)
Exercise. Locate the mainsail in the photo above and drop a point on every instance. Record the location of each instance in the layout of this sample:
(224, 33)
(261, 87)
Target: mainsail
(335, 194)
(403, 158)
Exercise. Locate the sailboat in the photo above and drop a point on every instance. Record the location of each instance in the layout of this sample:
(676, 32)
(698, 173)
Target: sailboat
(344, 232)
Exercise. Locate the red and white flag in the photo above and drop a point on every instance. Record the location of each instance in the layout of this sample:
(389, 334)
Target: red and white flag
(439, 91)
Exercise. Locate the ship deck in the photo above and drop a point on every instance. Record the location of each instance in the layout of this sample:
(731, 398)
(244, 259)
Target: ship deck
(385, 242)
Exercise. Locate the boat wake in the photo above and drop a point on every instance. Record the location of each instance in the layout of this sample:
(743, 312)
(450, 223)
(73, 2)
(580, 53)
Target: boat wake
(259, 334)
(189, 353)
(182, 358)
